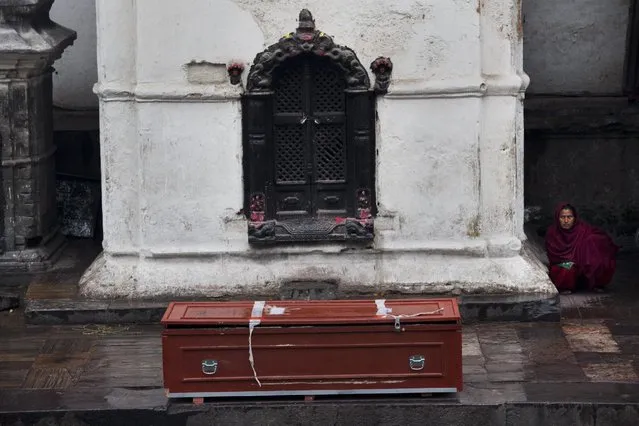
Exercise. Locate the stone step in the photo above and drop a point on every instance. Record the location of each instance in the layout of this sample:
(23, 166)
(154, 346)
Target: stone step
(601, 405)
(473, 308)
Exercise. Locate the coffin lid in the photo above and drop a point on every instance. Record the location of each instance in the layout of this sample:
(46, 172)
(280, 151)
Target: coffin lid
(312, 312)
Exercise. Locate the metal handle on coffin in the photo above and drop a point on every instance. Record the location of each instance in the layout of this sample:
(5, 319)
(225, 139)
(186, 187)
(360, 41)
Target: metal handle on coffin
(416, 362)
(209, 366)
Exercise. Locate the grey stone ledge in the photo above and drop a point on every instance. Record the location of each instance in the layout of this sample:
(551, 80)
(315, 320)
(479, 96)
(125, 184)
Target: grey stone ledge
(474, 309)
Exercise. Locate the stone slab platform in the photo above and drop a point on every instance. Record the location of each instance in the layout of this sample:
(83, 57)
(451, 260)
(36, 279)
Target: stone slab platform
(52, 298)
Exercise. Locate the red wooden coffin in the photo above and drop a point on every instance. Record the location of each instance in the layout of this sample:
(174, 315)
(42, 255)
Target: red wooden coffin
(218, 349)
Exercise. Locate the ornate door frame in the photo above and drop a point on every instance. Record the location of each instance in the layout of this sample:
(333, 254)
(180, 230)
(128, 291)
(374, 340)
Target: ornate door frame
(258, 107)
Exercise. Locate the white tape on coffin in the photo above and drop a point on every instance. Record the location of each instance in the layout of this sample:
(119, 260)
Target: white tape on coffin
(256, 315)
(258, 309)
(276, 310)
(381, 307)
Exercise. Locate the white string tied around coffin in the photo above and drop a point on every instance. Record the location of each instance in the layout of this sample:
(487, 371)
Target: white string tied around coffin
(258, 310)
(398, 318)
(256, 318)
(386, 312)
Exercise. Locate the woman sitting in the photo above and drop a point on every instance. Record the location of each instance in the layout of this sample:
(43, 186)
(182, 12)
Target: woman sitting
(578, 252)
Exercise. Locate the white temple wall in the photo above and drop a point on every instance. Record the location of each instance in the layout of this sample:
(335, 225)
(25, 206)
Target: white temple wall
(448, 142)
(573, 46)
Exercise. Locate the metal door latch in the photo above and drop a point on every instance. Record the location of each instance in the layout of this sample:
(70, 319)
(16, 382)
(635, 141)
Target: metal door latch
(398, 325)
(416, 362)
(209, 366)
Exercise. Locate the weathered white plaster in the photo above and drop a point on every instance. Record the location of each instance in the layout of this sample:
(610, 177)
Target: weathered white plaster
(575, 46)
(76, 72)
(418, 34)
(120, 160)
(420, 158)
(216, 32)
(191, 171)
(449, 147)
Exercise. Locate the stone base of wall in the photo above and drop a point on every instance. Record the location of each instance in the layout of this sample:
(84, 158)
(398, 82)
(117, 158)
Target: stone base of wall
(352, 273)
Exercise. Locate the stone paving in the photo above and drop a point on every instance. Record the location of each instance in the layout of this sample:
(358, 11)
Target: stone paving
(583, 370)
(118, 367)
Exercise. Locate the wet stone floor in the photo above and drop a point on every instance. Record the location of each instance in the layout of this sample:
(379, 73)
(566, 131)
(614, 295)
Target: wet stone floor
(104, 366)
(591, 356)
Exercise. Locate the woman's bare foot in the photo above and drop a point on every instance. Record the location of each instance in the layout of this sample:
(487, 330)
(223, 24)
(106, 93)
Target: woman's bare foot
(565, 292)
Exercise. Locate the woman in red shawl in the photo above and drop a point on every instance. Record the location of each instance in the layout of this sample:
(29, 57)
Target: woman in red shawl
(578, 251)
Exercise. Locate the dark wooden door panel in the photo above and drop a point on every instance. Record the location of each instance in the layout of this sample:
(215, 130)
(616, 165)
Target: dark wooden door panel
(310, 140)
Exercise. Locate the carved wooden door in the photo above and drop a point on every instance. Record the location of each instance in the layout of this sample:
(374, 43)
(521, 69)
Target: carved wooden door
(309, 141)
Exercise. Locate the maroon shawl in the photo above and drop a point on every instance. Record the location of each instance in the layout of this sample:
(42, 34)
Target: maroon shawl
(587, 246)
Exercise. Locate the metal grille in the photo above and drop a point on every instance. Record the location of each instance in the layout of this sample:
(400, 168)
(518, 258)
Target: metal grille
(288, 90)
(330, 152)
(329, 89)
(289, 155)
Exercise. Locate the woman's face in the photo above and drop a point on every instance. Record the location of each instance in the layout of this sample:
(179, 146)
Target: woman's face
(566, 219)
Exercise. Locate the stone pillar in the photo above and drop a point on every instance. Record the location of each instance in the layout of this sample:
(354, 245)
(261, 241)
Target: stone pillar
(501, 141)
(29, 43)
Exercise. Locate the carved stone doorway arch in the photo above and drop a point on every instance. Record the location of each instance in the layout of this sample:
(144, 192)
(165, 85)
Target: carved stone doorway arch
(309, 143)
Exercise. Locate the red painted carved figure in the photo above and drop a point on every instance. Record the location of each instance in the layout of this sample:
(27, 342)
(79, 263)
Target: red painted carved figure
(578, 252)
